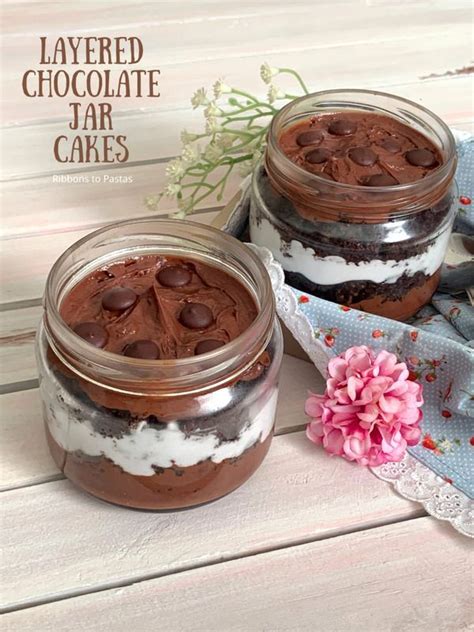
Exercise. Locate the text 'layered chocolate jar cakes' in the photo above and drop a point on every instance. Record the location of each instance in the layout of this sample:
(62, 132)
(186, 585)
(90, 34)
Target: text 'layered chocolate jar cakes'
(159, 370)
(355, 199)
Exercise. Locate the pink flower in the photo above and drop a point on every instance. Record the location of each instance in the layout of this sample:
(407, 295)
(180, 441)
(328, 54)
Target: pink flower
(371, 409)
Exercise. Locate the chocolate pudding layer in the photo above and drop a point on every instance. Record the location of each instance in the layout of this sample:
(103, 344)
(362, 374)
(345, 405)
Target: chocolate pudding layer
(356, 205)
(159, 450)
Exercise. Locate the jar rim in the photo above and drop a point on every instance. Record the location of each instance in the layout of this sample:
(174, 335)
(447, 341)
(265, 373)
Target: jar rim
(440, 171)
(220, 360)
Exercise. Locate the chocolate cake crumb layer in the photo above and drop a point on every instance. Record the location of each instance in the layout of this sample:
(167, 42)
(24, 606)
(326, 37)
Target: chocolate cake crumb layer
(355, 242)
(359, 148)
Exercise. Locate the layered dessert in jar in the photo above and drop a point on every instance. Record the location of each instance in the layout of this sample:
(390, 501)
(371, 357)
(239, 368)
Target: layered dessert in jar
(159, 356)
(354, 198)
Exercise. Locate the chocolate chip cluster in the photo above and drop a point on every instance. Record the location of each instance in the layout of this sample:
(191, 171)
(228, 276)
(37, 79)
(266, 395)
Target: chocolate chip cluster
(196, 316)
(357, 148)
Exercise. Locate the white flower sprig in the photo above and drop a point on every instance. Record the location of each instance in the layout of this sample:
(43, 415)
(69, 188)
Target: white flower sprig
(234, 137)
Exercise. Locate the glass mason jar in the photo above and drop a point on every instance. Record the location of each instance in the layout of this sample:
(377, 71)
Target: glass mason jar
(378, 249)
(159, 434)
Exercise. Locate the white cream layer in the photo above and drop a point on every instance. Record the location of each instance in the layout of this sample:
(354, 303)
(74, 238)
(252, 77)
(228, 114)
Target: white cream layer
(334, 269)
(145, 446)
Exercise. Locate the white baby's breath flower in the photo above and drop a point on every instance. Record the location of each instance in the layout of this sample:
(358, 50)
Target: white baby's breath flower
(220, 88)
(172, 189)
(199, 98)
(267, 72)
(175, 169)
(152, 201)
(183, 203)
(225, 141)
(244, 168)
(212, 125)
(189, 154)
(274, 93)
(212, 152)
(212, 110)
(187, 137)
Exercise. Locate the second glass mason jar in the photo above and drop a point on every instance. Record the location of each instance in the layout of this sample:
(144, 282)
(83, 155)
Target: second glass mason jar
(378, 249)
(159, 434)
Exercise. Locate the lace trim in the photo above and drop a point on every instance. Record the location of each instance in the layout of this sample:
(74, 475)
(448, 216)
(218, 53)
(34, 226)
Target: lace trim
(410, 478)
(415, 481)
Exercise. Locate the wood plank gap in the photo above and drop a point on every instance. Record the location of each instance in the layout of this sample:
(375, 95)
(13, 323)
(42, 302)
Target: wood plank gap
(31, 302)
(15, 387)
(225, 559)
(52, 478)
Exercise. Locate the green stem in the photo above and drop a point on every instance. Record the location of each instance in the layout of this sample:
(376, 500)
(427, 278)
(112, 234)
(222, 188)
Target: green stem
(231, 162)
(244, 94)
(290, 71)
(254, 106)
(223, 181)
(197, 184)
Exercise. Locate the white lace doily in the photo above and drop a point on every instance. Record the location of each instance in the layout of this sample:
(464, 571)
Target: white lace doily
(410, 478)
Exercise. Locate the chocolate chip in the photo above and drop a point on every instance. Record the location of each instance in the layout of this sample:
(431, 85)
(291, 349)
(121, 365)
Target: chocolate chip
(143, 349)
(421, 158)
(363, 156)
(174, 276)
(342, 127)
(309, 138)
(118, 299)
(195, 316)
(207, 345)
(317, 156)
(390, 145)
(380, 180)
(93, 333)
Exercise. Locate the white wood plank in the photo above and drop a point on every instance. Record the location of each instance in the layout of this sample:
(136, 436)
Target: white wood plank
(414, 576)
(76, 19)
(188, 52)
(17, 341)
(44, 206)
(23, 283)
(25, 458)
(21, 427)
(151, 135)
(299, 493)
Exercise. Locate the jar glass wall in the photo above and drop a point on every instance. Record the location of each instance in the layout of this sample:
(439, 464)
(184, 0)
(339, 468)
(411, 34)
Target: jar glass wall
(159, 434)
(379, 249)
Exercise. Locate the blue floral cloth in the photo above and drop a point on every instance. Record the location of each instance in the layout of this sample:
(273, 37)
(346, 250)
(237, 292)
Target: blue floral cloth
(437, 346)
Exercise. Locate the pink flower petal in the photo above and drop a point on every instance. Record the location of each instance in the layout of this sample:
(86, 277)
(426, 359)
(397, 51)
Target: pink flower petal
(390, 404)
(333, 442)
(354, 386)
(313, 406)
(370, 413)
(337, 368)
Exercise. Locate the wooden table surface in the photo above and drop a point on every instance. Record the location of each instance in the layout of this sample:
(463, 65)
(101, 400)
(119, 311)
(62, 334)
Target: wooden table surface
(309, 543)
